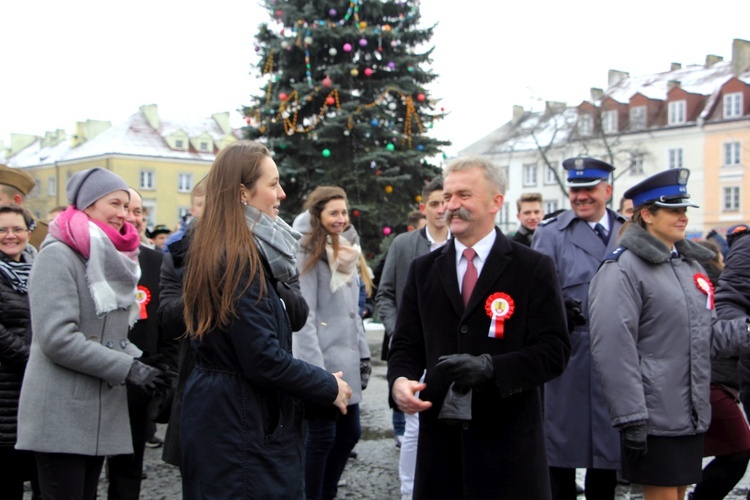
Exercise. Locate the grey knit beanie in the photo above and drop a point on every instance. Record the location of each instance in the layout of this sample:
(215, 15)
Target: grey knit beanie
(87, 186)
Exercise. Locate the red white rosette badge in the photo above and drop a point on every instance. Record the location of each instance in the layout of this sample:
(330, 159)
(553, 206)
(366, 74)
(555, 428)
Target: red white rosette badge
(704, 285)
(499, 307)
(142, 297)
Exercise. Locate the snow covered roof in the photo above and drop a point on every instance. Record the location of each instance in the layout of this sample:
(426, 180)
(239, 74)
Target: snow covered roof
(133, 137)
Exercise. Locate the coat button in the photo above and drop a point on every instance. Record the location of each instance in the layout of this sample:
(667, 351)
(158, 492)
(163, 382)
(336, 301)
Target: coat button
(123, 344)
(351, 315)
(464, 329)
(110, 344)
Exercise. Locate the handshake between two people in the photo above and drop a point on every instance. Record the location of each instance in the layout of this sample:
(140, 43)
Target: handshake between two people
(152, 373)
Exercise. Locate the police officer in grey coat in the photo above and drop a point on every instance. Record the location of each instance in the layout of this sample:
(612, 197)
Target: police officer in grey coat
(576, 423)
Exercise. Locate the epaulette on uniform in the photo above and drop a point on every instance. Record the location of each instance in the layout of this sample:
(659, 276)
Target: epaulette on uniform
(547, 221)
(615, 254)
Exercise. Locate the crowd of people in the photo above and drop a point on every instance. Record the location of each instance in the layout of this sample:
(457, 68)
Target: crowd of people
(590, 339)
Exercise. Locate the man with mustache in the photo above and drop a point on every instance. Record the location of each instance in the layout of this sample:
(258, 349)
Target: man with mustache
(484, 317)
(576, 421)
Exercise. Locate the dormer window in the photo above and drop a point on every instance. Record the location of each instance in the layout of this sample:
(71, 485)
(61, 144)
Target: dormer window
(203, 146)
(179, 144)
(585, 124)
(638, 117)
(733, 105)
(609, 121)
(677, 112)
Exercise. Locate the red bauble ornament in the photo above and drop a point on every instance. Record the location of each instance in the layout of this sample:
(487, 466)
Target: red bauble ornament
(368, 71)
(330, 101)
(355, 213)
(420, 97)
(282, 96)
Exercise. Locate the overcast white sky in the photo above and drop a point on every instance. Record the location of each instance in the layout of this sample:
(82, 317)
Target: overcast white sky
(70, 61)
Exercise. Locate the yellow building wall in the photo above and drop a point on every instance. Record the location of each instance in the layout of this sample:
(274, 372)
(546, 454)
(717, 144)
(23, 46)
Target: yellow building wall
(165, 195)
(718, 176)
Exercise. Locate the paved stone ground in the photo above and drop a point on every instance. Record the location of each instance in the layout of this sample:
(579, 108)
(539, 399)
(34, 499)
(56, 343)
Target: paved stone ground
(373, 475)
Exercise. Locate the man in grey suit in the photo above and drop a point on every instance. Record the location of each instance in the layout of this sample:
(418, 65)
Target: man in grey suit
(576, 421)
(403, 250)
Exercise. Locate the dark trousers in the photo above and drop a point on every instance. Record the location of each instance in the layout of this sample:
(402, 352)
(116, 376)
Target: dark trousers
(399, 422)
(600, 483)
(126, 471)
(64, 476)
(17, 467)
(327, 448)
(720, 476)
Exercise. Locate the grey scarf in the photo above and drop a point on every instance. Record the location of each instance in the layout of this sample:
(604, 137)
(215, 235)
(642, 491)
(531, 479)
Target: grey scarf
(276, 240)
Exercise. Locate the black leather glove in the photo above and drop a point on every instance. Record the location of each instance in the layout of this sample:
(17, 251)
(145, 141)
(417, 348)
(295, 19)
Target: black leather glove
(467, 370)
(574, 314)
(365, 369)
(456, 407)
(146, 376)
(633, 441)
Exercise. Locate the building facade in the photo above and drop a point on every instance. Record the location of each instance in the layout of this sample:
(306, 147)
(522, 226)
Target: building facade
(697, 117)
(162, 158)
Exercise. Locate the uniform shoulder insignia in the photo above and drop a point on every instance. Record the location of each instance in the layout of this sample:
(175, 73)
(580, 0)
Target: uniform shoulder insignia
(547, 221)
(615, 254)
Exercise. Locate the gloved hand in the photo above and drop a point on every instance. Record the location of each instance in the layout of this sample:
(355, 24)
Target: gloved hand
(633, 441)
(574, 313)
(146, 376)
(365, 369)
(467, 370)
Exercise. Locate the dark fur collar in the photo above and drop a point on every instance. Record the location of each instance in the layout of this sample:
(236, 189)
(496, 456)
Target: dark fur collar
(649, 248)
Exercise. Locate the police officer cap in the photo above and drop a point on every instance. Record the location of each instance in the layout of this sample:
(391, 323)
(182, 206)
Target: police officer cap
(666, 189)
(16, 178)
(586, 172)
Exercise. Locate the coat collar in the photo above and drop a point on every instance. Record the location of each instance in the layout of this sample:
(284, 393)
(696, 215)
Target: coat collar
(649, 248)
(497, 261)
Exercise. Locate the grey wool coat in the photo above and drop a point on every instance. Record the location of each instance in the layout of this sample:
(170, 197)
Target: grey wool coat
(73, 398)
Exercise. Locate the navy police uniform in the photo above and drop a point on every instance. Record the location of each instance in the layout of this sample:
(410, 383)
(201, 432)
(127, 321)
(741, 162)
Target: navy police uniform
(578, 431)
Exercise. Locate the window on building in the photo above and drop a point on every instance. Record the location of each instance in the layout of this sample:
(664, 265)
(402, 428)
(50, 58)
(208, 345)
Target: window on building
(182, 212)
(638, 117)
(185, 183)
(149, 213)
(203, 146)
(585, 124)
(636, 165)
(179, 144)
(502, 217)
(732, 154)
(609, 121)
(37, 189)
(506, 169)
(51, 186)
(733, 105)
(674, 158)
(529, 175)
(550, 206)
(549, 174)
(731, 198)
(676, 112)
(148, 179)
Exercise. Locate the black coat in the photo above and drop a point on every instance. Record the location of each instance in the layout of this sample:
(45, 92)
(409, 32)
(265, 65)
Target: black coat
(501, 453)
(241, 419)
(15, 340)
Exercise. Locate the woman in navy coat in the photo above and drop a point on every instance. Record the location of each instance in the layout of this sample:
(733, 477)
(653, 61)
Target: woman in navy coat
(241, 420)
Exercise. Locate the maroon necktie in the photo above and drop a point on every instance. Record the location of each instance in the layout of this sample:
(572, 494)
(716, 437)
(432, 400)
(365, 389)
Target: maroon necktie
(470, 276)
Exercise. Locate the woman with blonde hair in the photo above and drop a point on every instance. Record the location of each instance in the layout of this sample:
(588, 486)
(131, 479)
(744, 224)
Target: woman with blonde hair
(333, 337)
(241, 421)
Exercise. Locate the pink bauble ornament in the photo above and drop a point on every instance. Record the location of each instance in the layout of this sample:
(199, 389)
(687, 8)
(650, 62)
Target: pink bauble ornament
(420, 97)
(347, 47)
(282, 96)
(327, 82)
(386, 230)
(368, 71)
(363, 42)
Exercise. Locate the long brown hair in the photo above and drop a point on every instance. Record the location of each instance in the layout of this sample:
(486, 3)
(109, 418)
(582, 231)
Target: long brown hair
(315, 242)
(222, 249)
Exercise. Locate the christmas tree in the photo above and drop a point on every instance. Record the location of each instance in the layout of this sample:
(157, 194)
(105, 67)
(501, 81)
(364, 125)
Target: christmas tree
(345, 103)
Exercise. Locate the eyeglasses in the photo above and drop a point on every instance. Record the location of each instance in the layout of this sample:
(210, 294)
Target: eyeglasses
(18, 231)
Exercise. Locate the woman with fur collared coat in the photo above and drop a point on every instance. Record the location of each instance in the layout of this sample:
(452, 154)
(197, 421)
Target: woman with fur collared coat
(653, 335)
(334, 336)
